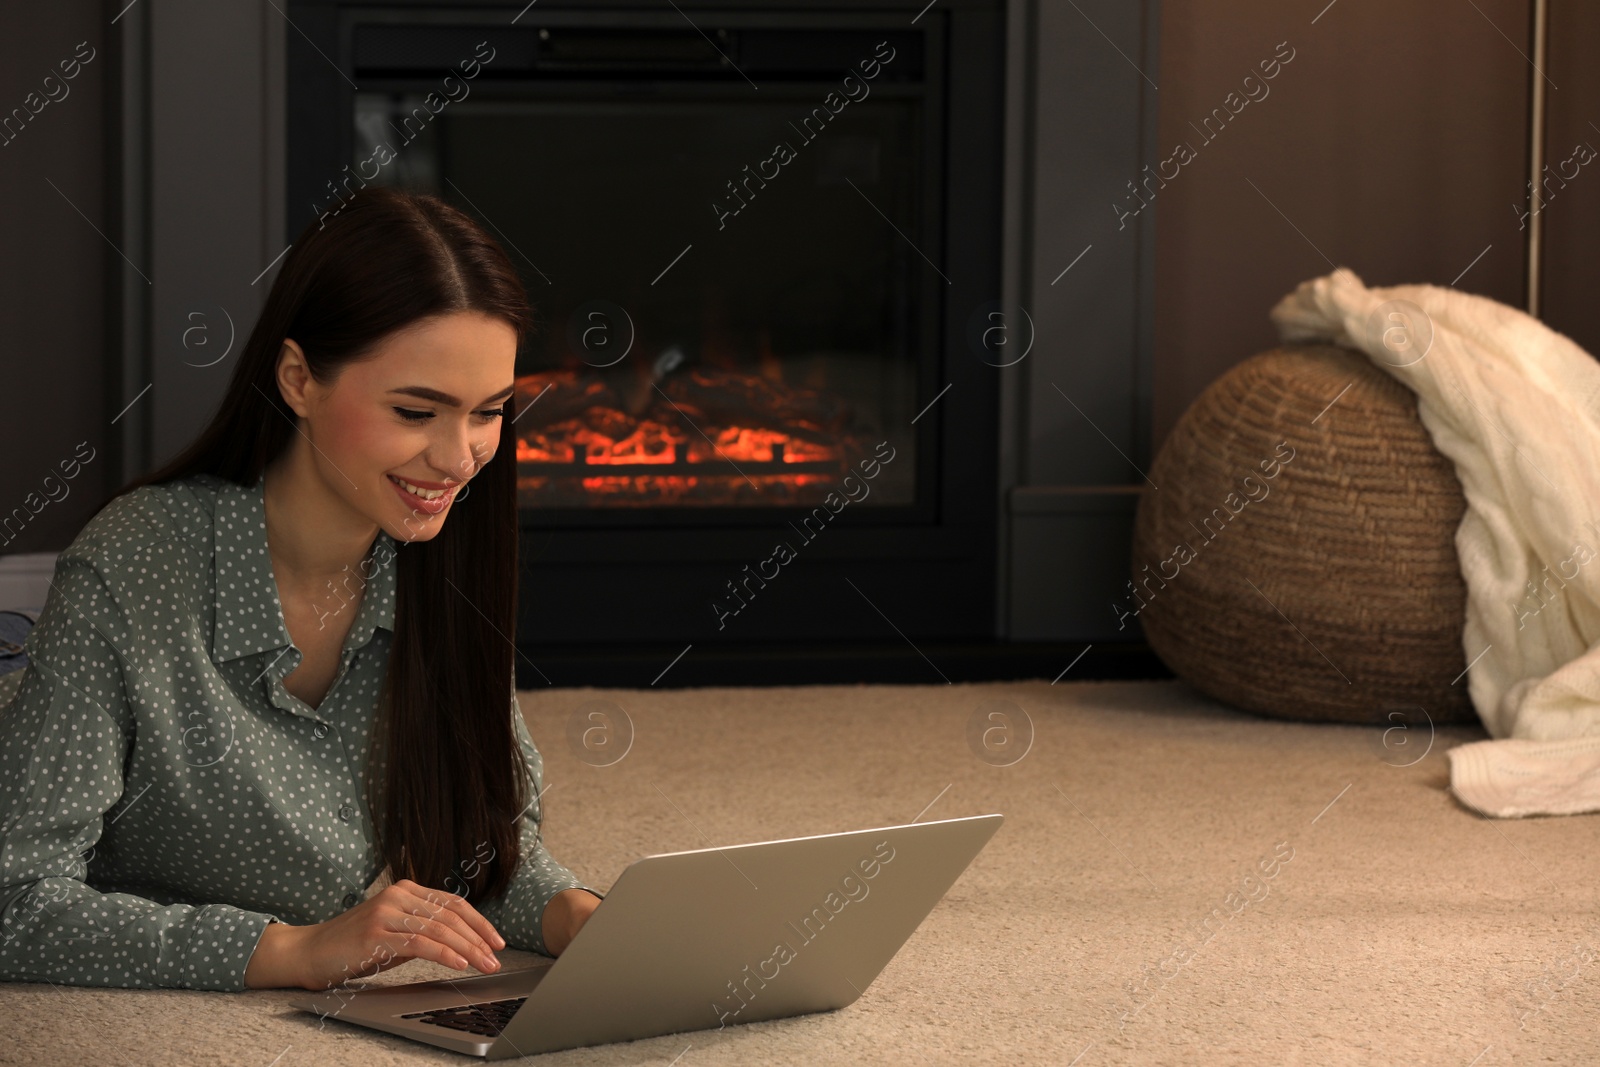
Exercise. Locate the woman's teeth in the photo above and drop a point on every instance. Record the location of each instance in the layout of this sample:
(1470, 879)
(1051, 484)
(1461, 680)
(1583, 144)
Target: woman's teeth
(426, 494)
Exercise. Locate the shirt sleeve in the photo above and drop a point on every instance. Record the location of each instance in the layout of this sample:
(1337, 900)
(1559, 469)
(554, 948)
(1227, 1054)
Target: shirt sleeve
(64, 741)
(519, 913)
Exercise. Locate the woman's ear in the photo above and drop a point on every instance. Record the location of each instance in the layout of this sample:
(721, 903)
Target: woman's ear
(294, 377)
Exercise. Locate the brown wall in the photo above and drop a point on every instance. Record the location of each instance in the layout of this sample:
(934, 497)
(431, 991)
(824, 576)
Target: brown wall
(1395, 141)
(52, 273)
(1571, 261)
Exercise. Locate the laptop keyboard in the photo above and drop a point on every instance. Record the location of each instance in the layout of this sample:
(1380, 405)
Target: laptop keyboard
(486, 1019)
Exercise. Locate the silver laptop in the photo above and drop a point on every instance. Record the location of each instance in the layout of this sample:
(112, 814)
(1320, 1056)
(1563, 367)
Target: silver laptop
(696, 940)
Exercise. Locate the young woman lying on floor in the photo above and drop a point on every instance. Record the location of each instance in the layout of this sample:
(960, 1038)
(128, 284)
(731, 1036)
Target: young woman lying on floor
(268, 732)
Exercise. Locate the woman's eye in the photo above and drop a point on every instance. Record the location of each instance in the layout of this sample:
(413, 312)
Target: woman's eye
(411, 415)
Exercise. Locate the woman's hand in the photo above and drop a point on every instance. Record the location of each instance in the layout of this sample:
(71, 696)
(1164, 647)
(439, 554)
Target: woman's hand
(402, 922)
(564, 916)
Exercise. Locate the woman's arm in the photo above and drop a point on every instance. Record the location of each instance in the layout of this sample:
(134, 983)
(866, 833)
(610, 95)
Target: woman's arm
(404, 921)
(537, 904)
(63, 744)
(565, 915)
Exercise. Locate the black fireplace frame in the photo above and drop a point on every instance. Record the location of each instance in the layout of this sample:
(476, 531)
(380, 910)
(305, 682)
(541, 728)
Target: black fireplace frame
(647, 578)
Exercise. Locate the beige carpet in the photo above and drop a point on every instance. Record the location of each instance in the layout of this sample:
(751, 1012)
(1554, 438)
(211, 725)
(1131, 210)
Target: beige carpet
(1404, 929)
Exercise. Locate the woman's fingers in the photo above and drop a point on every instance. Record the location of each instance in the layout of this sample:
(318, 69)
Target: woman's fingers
(430, 913)
(470, 919)
(474, 918)
(442, 933)
(405, 921)
(414, 945)
(446, 908)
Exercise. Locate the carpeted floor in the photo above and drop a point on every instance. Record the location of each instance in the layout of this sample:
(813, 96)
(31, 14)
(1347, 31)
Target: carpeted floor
(1113, 918)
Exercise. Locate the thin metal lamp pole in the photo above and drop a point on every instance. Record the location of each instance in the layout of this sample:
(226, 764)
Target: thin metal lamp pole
(1541, 22)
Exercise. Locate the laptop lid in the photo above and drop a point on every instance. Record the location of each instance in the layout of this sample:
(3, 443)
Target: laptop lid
(718, 936)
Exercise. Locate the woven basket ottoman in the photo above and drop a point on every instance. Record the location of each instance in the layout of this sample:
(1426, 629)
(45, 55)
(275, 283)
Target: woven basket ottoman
(1298, 558)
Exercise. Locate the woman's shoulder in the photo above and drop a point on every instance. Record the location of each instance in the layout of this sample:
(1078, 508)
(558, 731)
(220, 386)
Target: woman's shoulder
(140, 566)
(166, 517)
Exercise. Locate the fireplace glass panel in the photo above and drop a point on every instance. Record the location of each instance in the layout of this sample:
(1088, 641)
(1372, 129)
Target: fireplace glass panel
(721, 322)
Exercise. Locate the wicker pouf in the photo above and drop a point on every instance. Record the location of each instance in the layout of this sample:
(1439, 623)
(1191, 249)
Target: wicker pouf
(1298, 558)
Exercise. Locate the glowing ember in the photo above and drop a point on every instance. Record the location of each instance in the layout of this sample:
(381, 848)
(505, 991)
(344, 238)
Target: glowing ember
(702, 437)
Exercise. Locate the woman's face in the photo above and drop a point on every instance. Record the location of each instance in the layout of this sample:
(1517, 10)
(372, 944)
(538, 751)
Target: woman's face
(424, 410)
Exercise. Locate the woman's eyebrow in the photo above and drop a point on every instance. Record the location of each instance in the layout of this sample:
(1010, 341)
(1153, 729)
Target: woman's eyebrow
(422, 392)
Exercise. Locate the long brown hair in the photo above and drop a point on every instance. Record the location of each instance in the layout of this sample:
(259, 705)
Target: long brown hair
(447, 771)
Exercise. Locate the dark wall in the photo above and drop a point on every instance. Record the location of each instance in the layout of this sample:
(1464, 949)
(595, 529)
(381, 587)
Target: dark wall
(1394, 144)
(53, 273)
(1572, 214)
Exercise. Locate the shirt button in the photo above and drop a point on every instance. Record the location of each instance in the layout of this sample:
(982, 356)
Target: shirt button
(319, 731)
(345, 812)
(352, 899)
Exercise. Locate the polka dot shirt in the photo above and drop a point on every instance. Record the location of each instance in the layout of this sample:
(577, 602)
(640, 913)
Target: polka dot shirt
(163, 797)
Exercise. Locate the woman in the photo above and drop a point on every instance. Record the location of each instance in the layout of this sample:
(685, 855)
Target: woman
(278, 673)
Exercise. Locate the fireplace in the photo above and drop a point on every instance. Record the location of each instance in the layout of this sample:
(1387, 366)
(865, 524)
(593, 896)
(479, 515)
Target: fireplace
(715, 436)
(757, 239)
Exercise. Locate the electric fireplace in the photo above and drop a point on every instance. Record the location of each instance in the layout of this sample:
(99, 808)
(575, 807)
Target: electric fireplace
(756, 238)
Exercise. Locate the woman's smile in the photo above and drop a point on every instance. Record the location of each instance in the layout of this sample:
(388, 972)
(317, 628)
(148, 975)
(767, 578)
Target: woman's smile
(429, 497)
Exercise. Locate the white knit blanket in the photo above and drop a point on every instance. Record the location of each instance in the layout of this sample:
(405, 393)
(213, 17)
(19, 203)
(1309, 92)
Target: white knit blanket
(1516, 407)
